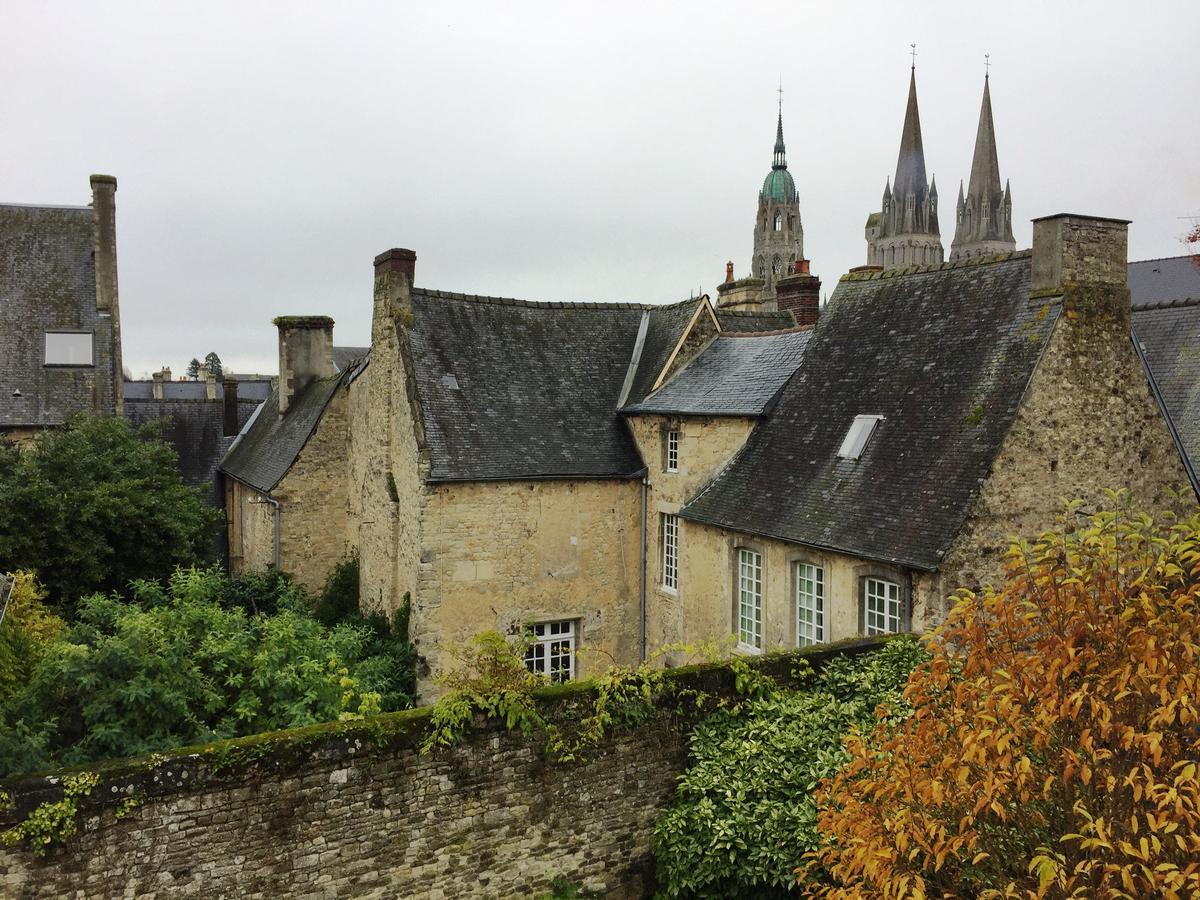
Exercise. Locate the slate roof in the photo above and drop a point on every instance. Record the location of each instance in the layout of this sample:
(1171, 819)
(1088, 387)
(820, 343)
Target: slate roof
(1171, 278)
(734, 320)
(1168, 333)
(344, 357)
(735, 375)
(511, 389)
(944, 354)
(664, 327)
(47, 283)
(270, 443)
(194, 428)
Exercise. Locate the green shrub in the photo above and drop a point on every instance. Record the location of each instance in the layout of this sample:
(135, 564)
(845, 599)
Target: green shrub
(27, 628)
(744, 813)
(172, 664)
(97, 504)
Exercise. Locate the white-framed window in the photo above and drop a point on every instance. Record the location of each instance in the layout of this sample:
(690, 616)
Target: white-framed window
(810, 604)
(881, 607)
(670, 552)
(551, 650)
(69, 348)
(750, 595)
(857, 436)
(673, 450)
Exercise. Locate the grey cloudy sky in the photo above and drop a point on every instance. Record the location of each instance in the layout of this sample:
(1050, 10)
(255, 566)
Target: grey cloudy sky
(606, 151)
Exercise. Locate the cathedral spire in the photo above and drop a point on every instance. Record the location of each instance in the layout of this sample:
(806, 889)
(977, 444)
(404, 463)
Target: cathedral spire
(984, 225)
(910, 164)
(780, 161)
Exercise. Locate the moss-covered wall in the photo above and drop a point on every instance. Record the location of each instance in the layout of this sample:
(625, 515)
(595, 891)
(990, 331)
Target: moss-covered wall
(354, 809)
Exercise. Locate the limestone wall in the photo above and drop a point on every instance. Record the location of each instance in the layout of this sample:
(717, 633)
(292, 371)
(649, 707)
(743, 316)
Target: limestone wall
(354, 810)
(251, 528)
(500, 555)
(1088, 422)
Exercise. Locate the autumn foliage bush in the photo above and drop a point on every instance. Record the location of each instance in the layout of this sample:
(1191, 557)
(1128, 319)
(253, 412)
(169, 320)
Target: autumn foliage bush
(1054, 744)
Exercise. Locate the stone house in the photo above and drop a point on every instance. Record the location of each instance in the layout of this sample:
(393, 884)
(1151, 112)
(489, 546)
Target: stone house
(612, 477)
(60, 323)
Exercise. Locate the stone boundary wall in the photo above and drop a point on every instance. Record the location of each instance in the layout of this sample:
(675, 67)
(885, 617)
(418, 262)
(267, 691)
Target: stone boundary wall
(355, 810)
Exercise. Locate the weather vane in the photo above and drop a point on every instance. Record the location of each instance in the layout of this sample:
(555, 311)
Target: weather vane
(913, 52)
(779, 91)
(987, 64)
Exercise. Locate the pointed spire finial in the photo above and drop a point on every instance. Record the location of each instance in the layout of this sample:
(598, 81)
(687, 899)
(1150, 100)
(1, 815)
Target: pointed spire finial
(987, 65)
(780, 161)
(913, 52)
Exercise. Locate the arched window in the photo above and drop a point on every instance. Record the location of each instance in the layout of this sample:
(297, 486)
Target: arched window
(778, 221)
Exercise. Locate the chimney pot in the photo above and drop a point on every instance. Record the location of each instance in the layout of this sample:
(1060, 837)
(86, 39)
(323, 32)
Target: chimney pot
(729, 272)
(396, 260)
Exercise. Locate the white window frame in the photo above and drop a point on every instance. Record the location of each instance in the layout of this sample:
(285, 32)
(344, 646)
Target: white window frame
(857, 435)
(90, 361)
(883, 607)
(810, 603)
(670, 552)
(672, 450)
(749, 600)
(550, 643)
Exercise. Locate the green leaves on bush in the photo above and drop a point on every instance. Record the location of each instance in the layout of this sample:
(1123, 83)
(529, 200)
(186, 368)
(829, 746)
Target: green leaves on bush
(95, 505)
(744, 814)
(178, 664)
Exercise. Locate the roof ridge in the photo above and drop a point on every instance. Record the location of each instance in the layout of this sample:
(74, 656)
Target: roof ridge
(1164, 258)
(1165, 304)
(937, 267)
(751, 313)
(46, 206)
(535, 304)
(742, 334)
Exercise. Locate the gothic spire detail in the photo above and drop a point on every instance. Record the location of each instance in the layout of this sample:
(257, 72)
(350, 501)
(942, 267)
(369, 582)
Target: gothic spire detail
(984, 220)
(910, 164)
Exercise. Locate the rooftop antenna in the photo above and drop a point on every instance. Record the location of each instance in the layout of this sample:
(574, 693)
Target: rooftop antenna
(913, 53)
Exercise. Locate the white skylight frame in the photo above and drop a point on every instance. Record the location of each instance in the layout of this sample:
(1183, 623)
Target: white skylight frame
(69, 348)
(858, 435)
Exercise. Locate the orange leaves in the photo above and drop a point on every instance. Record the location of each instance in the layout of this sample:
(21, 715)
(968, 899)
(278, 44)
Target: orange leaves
(1060, 712)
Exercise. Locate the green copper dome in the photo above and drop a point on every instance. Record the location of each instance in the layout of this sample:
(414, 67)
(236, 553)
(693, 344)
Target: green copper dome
(779, 187)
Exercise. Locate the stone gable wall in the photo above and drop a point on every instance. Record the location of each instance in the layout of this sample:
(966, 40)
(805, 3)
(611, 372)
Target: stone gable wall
(1088, 423)
(355, 810)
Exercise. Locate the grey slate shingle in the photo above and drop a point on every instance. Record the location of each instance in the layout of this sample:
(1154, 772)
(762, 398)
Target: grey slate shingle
(944, 356)
(48, 282)
(733, 376)
(511, 389)
(1169, 333)
(665, 327)
(1172, 278)
(735, 320)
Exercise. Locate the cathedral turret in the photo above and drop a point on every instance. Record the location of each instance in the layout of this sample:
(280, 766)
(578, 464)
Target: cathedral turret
(905, 232)
(984, 216)
(778, 233)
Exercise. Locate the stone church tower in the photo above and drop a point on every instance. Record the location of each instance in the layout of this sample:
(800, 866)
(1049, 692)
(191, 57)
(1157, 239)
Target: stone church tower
(905, 232)
(984, 219)
(778, 234)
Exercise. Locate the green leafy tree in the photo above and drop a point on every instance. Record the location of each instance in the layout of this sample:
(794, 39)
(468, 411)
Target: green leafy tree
(25, 631)
(744, 813)
(96, 504)
(170, 665)
(214, 363)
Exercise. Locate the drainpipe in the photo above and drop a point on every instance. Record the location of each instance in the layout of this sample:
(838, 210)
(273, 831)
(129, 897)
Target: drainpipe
(645, 487)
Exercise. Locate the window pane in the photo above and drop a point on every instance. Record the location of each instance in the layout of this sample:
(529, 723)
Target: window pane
(882, 607)
(68, 349)
(810, 604)
(552, 650)
(670, 555)
(750, 599)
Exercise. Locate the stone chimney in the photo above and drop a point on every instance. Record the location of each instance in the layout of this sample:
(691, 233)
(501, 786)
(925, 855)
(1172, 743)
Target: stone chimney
(800, 292)
(156, 389)
(745, 294)
(305, 354)
(210, 384)
(395, 270)
(229, 411)
(104, 249)
(729, 272)
(1083, 259)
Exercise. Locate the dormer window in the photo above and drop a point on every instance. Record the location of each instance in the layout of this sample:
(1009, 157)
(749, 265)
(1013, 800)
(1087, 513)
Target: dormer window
(856, 438)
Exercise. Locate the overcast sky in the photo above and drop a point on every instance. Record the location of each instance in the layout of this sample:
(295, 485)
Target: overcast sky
(265, 152)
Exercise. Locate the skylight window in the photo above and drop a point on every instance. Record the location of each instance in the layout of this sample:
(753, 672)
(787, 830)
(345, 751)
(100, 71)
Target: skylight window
(858, 435)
